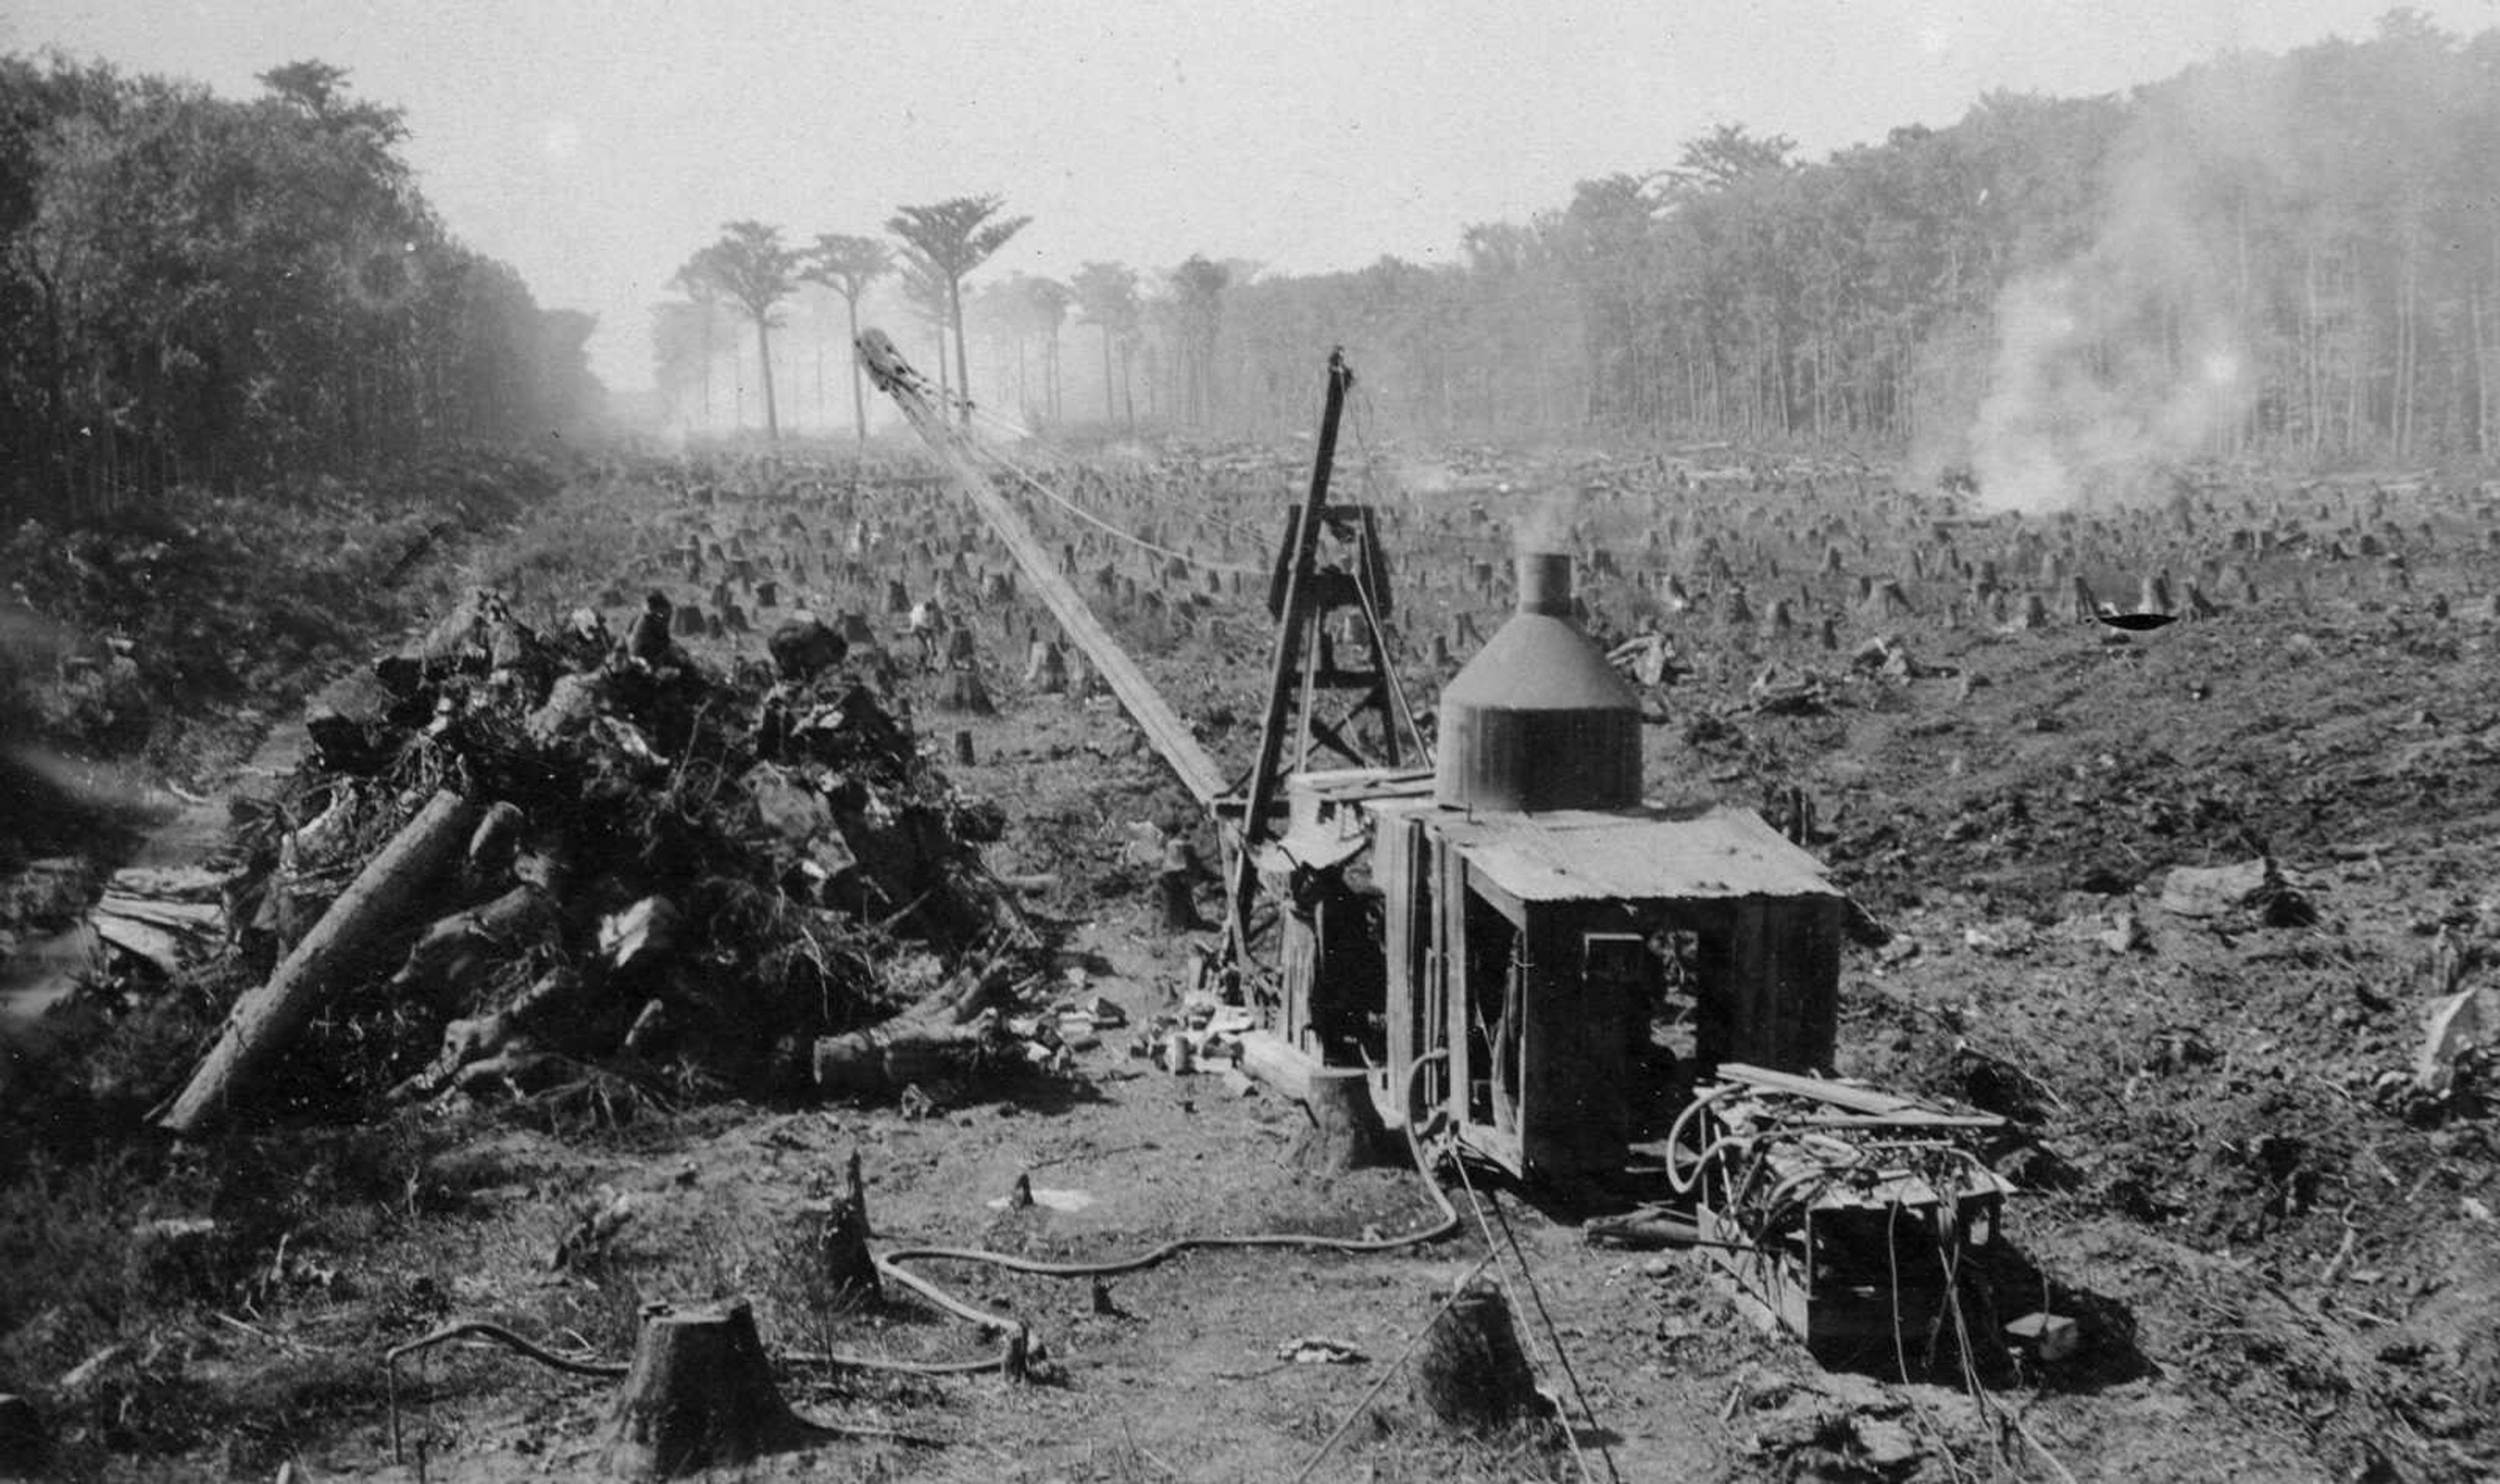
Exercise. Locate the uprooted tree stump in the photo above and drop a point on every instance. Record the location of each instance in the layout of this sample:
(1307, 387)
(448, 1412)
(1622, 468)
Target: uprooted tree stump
(949, 1031)
(1470, 1373)
(701, 1396)
(1345, 1130)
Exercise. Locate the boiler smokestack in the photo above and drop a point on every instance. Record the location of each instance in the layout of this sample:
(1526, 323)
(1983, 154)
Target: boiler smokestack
(1545, 583)
(1538, 719)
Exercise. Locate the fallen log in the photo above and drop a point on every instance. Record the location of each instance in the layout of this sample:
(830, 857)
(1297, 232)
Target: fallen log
(516, 1071)
(571, 703)
(1267, 1056)
(964, 996)
(454, 954)
(495, 845)
(900, 1053)
(357, 929)
(477, 1038)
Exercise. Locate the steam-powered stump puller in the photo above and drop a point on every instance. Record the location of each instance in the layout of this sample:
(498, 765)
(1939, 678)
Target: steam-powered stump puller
(1494, 938)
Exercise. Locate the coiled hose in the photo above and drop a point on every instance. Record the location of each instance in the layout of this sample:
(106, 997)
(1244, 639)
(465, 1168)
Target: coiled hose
(889, 1264)
(1020, 1347)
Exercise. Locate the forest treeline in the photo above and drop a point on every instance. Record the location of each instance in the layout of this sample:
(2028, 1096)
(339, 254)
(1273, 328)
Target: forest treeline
(2297, 255)
(198, 289)
(2290, 255)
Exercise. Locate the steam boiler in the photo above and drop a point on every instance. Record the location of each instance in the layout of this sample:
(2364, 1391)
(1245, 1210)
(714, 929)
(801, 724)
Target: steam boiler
(1495, 941)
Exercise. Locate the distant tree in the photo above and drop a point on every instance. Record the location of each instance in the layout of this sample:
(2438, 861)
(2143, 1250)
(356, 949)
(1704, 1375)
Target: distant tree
(953, 237)
(196, 288)
(847, 265)
(694, 279)
(1107, 295)
(680, 351)
(750, 266)
(996, 311)
(1045, 302)
(1198, 293)
(1729, 155)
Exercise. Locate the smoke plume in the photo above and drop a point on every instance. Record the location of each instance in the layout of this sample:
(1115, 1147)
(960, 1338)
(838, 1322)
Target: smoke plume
(2134, 354)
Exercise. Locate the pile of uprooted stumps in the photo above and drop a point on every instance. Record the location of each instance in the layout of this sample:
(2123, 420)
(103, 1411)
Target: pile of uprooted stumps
(517, 864)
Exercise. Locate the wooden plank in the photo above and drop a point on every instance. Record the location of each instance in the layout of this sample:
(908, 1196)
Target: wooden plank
(1860, 1100)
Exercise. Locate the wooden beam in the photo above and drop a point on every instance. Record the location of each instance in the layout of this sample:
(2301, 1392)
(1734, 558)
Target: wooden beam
(1264, 773)
(1154, 716)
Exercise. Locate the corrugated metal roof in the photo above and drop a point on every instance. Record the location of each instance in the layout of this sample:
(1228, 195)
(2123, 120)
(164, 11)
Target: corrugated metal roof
(1633, 855)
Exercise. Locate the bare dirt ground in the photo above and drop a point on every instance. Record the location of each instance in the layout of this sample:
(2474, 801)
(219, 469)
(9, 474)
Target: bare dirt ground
(2286, 1263)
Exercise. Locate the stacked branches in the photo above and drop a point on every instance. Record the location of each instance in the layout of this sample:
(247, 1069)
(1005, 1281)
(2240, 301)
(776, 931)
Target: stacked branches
(658, 879)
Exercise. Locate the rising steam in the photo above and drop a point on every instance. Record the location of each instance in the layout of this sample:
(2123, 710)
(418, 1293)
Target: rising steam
(1546, 526)
(2134, 354)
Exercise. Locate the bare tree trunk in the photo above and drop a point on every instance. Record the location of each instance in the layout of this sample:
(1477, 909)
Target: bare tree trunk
(1111, 408)
(963, 368)
(763, 355)
(859, 392)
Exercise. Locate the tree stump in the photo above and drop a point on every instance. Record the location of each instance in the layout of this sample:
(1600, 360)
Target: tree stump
(1179, 903)
(2081, 605)
(700, 1395)
(850, 1267)
(962, 690)
(1470, 1373)
(23, 1445)
(1046, 668)
(1346, 1130)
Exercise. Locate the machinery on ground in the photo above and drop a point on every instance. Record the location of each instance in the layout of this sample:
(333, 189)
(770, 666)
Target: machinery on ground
(1489, 939)
(1846, 1211)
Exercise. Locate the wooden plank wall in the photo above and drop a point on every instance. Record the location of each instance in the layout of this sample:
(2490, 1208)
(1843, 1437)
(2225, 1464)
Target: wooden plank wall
(1784, 985)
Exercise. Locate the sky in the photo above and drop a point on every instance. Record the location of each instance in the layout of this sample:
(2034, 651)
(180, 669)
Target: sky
(595, 144)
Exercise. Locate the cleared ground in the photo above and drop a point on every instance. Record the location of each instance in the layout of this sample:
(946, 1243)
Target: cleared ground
(2286, 1259)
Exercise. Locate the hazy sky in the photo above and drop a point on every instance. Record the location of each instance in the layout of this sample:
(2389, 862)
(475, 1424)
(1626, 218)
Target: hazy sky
(595, 144)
